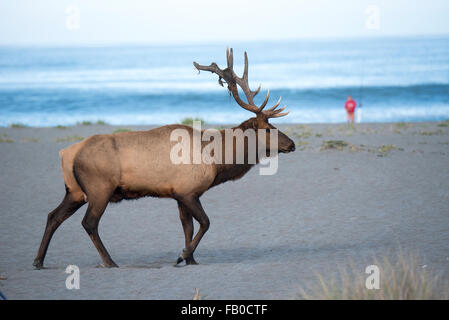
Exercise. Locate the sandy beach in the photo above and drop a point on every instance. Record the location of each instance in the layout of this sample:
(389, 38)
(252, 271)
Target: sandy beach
(346, 195)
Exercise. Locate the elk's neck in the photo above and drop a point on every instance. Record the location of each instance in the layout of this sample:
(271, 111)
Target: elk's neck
(233, 171)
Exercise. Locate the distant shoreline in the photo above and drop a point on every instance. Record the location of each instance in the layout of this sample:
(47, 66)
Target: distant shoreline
(212, 125)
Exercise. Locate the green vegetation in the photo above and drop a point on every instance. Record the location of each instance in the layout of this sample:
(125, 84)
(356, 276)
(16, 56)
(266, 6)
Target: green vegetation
(431, 133)
(17, 125)
(60, 127)
(384, 149)
(29, 140)
(347, 130)
(84, 123)
(101, 122)
(444, 124)
(306, 133)
(401, 125)
(189, 121)
(74, 138)
(404, 279)
(334, 144)
(301, 145)
(5, 139)
(121, 130)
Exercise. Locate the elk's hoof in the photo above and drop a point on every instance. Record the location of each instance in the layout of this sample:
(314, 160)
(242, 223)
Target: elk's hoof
(111, 265)
(180, 259)
(191, 261)
(188, 257)
(38, 264)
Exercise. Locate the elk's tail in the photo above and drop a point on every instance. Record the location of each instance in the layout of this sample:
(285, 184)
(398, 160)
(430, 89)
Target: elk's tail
(67, 159)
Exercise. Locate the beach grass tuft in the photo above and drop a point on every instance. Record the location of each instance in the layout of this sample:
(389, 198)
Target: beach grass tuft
(5, 139)
(26, 139)
(384, 149)
(302, 145)
(121, 130)
(84, 123)
(17, 125)
(401, 125)
(74, 138)
(189, 121)
(431, 133)
(444, 124)
(403, 279)
(196, 296)
(334, 144)
(304, 134)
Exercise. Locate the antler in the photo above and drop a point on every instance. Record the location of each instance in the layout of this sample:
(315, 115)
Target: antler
(233, 80)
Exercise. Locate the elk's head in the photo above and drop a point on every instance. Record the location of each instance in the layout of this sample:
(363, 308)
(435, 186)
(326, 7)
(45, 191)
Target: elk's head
(260, 121)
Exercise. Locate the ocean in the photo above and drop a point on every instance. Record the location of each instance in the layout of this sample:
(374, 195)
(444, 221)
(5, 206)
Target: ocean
(394, 79)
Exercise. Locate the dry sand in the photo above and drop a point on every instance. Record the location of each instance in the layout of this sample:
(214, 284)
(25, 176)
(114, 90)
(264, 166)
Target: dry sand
(269, 235)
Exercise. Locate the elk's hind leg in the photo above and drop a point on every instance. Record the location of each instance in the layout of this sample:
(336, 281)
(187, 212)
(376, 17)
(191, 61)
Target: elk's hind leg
(67, 207)
(97, 205)
(194, 206)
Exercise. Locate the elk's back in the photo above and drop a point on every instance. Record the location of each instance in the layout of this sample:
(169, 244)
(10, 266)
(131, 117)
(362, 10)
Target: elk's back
(136, 164)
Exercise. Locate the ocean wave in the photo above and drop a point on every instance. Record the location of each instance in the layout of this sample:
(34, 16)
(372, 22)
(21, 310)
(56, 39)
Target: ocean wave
(179, 86)
(234, 116)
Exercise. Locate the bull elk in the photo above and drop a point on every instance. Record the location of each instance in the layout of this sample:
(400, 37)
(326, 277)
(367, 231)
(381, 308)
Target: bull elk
(129, 165)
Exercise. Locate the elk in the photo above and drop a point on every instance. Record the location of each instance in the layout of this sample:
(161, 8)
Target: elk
(129, 165)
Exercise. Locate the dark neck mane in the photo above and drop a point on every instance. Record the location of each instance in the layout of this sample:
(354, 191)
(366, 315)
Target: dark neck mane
(226, 172)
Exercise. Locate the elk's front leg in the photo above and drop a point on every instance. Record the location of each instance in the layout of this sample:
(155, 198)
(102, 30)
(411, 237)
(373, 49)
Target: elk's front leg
(195, 210)
(187, 224)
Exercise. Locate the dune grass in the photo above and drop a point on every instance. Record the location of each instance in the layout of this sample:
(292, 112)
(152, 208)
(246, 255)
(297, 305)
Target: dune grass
(121, 130)
(334, 144)
(431, 133)
(403, 279)
(444, 124)
(196, 296)
(28, 139)
(84, 123)
(189, 121)
(384, 149)
(17, 125)
(74, 138)
(6, 140)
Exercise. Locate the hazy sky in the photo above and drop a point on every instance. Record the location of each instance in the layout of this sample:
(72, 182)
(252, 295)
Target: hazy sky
(174, 21)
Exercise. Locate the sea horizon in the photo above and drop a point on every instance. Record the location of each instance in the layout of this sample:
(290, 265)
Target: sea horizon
(394, 79)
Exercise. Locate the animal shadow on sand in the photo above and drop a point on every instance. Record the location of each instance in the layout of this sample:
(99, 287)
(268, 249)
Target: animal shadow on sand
(239, 255)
